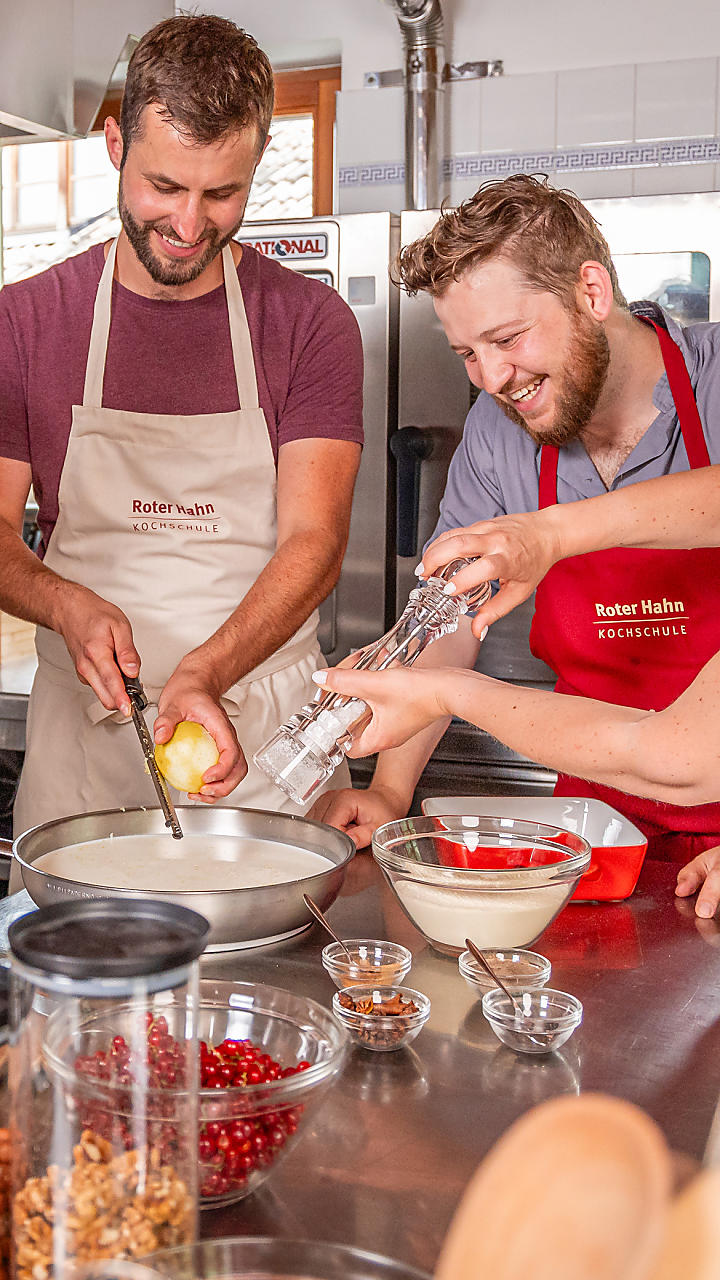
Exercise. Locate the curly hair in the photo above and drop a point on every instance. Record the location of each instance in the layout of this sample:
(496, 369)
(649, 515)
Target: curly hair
(546, 233)
(208, 77)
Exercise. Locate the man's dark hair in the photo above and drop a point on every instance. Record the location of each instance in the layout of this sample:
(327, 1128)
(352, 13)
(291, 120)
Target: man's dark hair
(208, 77)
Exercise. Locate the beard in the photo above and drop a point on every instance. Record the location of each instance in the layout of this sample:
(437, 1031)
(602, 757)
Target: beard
(586, 368)
(161, 271)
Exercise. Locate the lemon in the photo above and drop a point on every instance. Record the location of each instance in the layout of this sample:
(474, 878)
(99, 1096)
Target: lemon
(184, 759)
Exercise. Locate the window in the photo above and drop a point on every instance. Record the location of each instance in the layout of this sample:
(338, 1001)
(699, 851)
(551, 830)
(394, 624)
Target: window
(679, 281)
(299, 93)
(283, 186)
(59, 198)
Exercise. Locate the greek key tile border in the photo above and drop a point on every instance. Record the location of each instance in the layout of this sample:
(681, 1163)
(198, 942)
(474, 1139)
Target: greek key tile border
(568, 160)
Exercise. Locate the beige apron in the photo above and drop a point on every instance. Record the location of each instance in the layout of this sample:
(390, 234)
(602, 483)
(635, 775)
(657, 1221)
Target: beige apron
(172, 519)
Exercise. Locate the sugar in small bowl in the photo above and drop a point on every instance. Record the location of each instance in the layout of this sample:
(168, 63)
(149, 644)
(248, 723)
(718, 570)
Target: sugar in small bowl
(544, 1021)
(371, 963)
(519, 970)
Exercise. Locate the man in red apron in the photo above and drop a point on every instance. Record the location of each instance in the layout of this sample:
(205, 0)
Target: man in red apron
(190, 416)
(579, 395)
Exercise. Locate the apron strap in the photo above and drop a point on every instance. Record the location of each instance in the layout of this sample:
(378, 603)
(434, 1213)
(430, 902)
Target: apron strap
(547, 482)
(95, 368)
(687, 411)
(240, 335)
(683, 395)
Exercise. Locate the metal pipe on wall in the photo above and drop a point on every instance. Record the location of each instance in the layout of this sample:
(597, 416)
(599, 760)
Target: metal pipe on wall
(421, 24)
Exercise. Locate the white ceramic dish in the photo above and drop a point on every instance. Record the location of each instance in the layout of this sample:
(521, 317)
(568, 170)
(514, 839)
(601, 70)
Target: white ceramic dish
(618, 846)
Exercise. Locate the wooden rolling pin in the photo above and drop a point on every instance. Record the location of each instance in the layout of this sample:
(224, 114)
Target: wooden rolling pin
(577, 1189)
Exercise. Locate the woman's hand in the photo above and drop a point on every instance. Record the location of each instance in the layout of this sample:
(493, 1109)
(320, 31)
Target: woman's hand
(402, 702)
(702, 873)
(518, 550)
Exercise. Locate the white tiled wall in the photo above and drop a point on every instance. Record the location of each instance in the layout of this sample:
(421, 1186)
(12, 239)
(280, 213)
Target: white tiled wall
(518, 112)
(676, 99)
(595, 105)
(580, 125)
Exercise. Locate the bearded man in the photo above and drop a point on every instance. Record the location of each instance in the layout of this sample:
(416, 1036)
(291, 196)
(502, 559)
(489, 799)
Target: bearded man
(579, 394)
(190, 416)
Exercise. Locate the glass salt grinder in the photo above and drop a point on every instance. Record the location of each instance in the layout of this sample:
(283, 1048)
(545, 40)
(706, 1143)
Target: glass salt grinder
(305, 751)
(103, 1082)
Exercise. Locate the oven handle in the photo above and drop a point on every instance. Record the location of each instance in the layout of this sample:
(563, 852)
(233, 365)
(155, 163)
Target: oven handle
(410, 447)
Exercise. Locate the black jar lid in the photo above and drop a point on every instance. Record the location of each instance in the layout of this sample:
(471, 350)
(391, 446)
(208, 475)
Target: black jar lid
(109, 938)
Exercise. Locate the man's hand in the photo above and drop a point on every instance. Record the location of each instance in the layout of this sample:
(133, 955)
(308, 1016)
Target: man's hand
(518, 550)
(358, 813)
(188, 695)
(704, 870)
(100, 640)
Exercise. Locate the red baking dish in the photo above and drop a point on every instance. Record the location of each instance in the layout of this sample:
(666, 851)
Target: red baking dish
(618, 847)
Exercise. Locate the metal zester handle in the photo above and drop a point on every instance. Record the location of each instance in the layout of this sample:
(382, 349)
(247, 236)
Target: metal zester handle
(138, 703)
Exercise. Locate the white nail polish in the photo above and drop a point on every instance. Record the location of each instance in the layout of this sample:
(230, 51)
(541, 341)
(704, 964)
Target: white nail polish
(483, 633)
(319, 677)
(449, 589)
(419, 570)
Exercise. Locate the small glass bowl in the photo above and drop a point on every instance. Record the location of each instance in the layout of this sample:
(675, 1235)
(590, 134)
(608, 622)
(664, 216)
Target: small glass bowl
(519, 970)
(548, 1020)
(373, 963)
(379, 1031)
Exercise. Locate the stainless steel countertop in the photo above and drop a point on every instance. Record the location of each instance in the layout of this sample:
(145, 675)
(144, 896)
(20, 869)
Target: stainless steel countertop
(384, 1161)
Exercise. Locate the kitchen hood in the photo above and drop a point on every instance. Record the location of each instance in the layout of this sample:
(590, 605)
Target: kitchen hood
(59, 58)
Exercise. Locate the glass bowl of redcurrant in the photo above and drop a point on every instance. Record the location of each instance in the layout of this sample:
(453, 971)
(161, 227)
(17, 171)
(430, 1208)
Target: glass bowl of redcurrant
(266, 1058)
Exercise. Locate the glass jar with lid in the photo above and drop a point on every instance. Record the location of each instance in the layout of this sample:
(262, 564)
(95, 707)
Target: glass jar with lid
(103, 1023)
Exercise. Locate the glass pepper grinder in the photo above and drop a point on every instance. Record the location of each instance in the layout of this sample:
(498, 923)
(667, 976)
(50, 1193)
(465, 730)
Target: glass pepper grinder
(305, 751)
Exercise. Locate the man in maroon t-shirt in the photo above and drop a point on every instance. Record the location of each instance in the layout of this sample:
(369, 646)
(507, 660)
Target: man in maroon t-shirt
(192, 444)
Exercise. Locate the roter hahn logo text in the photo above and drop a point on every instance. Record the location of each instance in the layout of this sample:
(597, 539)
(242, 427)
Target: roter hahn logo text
(640, 619)
(191, 517)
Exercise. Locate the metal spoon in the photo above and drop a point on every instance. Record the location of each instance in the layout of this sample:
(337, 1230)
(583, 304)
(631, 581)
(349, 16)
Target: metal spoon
(477, 953)
(519, 1011)
(314, 910)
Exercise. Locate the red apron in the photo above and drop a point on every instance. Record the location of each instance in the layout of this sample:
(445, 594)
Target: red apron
(635, 627)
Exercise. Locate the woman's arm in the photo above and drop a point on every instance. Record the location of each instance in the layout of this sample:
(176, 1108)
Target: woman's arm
(673, 511)
(670, 755)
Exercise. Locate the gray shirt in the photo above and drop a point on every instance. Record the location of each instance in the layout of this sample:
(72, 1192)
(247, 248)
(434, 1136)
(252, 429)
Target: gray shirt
(496, 466)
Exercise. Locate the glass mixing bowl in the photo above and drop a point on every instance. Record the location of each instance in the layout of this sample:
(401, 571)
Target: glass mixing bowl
(265, 1258)
(499, 881)
(244, 1129)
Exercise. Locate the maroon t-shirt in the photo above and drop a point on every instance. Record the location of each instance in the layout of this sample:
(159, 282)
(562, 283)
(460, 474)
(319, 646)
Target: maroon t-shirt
(172, 358)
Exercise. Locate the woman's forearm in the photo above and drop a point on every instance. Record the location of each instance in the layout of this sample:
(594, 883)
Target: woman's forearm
(681, 510)
(664, 755)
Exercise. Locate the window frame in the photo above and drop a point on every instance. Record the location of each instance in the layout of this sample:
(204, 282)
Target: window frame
(307, 92)
(312, 92)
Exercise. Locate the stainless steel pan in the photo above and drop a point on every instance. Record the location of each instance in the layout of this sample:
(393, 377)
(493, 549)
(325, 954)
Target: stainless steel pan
(238, 917)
